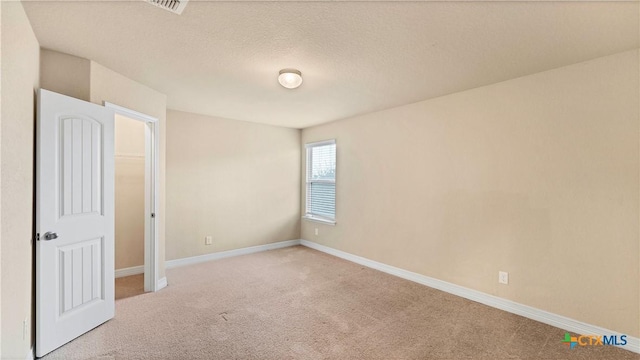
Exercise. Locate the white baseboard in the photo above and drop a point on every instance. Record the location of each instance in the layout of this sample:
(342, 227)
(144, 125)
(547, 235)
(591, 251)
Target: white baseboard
(633, 344)
(170, 264)
(30, 355)
(162, 283)
(135, 270)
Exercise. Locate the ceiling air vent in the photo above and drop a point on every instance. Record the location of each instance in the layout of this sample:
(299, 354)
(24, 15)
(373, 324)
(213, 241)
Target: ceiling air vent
(175, 6)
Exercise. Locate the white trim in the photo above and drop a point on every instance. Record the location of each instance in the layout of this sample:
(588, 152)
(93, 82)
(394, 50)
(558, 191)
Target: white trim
(134, 270)
(129, 156)
(151, 193)
(152, 196)
(130, 113)
(319, 220)
(170, 264)
(162, 283)
(30, 355)
(633, 343)
(320, 143)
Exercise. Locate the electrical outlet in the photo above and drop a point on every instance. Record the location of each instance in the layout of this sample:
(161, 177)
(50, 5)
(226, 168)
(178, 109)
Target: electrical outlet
(316, 231)
(503, 277)
(208, 240)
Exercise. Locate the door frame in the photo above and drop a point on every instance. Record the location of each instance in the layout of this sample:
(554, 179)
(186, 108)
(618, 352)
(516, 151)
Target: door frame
(151, 193)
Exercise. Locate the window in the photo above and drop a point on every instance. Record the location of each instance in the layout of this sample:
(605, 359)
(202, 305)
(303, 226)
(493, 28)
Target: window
(321, 181)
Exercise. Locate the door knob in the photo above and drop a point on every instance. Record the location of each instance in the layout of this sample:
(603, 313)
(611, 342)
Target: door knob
(50, 236)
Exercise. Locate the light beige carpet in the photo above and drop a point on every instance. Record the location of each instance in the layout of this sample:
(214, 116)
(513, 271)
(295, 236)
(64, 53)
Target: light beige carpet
(297, 303)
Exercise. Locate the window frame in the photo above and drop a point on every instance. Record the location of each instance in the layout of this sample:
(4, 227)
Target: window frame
(308, 215)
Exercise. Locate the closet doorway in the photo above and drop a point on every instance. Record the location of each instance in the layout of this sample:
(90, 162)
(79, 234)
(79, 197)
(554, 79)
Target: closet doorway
(136, 174)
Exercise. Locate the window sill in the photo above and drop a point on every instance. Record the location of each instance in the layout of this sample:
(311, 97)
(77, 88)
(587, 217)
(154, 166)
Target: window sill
(319, 220)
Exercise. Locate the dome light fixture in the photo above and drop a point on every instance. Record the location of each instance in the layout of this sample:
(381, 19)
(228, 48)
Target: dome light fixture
(290, 78)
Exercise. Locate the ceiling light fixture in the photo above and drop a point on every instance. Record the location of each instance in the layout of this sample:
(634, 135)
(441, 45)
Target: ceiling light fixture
(290, 78)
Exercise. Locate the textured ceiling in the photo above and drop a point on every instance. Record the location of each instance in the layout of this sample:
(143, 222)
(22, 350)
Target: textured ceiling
(223, 58)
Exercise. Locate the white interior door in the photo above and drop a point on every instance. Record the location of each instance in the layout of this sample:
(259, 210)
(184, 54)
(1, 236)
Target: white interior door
(74, 219)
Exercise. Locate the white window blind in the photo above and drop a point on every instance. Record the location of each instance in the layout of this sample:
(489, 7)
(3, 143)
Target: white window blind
(321, 180)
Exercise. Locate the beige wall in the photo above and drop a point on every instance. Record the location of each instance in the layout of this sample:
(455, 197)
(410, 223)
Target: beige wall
(129, 185)
(20, 74)
(107, 85)
(129, 136)
(537, 176)
(233, 180)
(65, 74)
